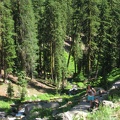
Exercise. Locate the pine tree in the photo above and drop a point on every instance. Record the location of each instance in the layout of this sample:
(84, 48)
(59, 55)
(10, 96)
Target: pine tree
(114, 32)
(1, 7)
(103, 44)
(26, 41)
(91, 31)
(55, 19)
(76, 50)
(7, 33)
(10, 90)
(85, 29)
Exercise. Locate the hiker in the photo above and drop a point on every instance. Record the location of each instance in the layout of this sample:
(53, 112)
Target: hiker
(95, 103)
(91, 93)
(73, 90)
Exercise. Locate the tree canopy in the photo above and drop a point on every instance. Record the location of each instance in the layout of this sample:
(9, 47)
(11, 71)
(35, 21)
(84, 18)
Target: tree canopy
(36, 35)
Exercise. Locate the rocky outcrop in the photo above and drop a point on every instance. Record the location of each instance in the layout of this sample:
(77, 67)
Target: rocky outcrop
(40, 105)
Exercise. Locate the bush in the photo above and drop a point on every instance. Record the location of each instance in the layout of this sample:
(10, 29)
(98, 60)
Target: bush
(41, 113)
(10, 90)
(80, 84)
(79, 78)
(21, 79)
(104, 113)
(114, 95)
(23, 93)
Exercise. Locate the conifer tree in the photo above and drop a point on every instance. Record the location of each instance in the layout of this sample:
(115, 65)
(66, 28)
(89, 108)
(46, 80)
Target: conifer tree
(55, 13)
(26, 41)
(39, 10)
(7, 33)
(114, 31)
(91, 31)
(85, 28)
(1, 7)
(103, 44)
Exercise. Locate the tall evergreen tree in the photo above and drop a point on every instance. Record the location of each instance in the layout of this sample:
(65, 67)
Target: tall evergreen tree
(39, 8)
(26, 41)
(103, 44)
(55, 19)
(85, 26)
(76, 50)
(7, 33)
(91, 31)
(1, 7)
(114, 31)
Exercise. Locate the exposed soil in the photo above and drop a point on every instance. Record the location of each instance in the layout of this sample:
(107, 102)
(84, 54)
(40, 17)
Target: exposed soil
(34, 87)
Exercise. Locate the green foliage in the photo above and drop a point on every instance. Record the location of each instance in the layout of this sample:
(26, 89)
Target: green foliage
(10, 90)
(81, 84)
(27, 43)
(114, 95)
(7, 34)
(114, 75)
(5, 105)
(104, 113)
(42, 113)
(80, 77)
(70, 68)
(23, 93)
(21, 79)
(45, 96)
(69, 86)
(23, 85)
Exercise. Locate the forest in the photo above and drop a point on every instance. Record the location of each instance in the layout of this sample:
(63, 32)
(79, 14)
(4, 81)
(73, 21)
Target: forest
(55, 39)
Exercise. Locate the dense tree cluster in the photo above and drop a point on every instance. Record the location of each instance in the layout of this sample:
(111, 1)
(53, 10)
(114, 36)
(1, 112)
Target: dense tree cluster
(33, 32)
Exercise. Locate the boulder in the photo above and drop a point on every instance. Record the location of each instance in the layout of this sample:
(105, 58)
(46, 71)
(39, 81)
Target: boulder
(108, 103)
(80, 115)
(2, 114)
(30, 106)
(50, 105)
(116, 85)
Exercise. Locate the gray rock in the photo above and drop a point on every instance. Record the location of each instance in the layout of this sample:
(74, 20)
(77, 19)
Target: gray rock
(2, 114)
(108, 103)
(80, 115)
(116, 85)
(30, 106)
(50, 105)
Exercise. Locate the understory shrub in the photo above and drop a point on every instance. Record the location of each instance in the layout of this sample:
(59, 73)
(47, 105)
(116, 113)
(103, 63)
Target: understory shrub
(10, 90)
(104, 113)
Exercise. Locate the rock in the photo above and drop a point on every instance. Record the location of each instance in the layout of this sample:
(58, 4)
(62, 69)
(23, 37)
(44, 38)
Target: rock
(50, 105)
(67, 116)
(108, 103)
(38, 119)
(11, 118)
(54, 113)
(70, 115)
(30, 106)
(59, 100)
(2, 114)
(104, 96)
(116, 85)
(80, 115)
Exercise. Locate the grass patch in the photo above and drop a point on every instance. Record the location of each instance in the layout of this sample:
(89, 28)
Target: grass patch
(104, 113)
(5, 105)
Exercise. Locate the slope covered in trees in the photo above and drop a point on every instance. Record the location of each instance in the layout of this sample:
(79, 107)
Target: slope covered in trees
(32, 35)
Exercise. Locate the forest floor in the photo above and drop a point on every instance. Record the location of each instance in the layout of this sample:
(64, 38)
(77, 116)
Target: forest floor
(34, 87)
